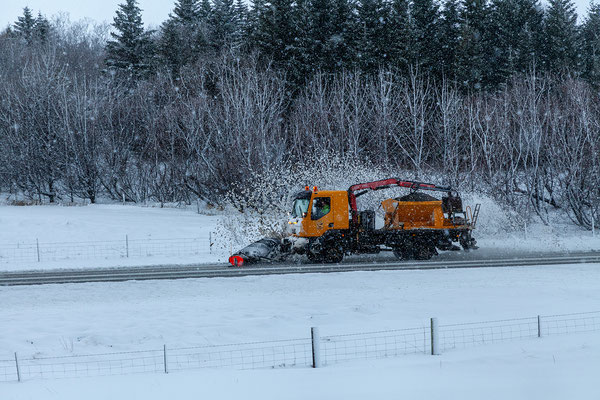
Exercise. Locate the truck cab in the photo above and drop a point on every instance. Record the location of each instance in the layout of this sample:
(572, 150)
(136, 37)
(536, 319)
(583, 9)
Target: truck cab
(316, 212)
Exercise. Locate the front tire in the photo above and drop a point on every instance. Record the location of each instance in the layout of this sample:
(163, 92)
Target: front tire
(329, 255)
(314, 258)
(333, 255)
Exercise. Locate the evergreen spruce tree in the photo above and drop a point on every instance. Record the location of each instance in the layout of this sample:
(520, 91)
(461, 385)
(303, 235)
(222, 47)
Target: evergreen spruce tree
(400, 35)
(450, 24)
(319, 33)
(41, 29)
(472, 65)
(304, 61)
(253, 25)
(514, 35)
(329, 37)
(25, 26)
(425, 36)
(204, 10)
(183, 36)
(276, 37)
(130, 51)
(224, 25)
(241, 14)
(345, 34)
(186, 12)
(590, 46)
(373, 47)
(561, 36)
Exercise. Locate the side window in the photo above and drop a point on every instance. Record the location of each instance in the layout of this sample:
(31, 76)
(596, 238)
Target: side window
(321, 206)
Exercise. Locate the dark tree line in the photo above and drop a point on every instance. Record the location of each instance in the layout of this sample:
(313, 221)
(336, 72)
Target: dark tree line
(477, 44)
(499, 96)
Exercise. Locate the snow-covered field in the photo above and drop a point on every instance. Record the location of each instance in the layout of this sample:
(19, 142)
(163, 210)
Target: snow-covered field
(550, 369)
(83, 226)
(107, 317)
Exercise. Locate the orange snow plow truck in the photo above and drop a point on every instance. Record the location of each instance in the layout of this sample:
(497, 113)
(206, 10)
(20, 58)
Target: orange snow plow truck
(326, 225)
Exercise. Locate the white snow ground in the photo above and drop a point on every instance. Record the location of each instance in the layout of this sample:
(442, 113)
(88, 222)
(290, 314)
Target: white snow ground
(56, 320)
(102, 223)
(549, 369)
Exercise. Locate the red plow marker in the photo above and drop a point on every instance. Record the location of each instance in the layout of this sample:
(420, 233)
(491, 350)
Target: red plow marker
(236, 261)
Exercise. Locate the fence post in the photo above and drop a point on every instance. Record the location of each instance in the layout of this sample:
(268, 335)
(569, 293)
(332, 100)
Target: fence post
(127, 246)
(316, 347)
(539, 327)
(17, 365)
(210, 242)
(435, 340)
(165, 358)
(37, 246)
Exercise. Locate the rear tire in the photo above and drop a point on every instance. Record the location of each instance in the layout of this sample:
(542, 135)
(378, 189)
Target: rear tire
(415, 251)
(404, 253)
(424, 252)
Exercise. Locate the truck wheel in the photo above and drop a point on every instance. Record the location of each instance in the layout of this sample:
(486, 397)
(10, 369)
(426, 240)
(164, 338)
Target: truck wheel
(404, 253)
(424, 252)
(314, 258)
(333, 255)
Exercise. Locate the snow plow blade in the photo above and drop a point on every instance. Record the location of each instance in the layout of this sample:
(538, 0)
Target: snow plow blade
(266, 249)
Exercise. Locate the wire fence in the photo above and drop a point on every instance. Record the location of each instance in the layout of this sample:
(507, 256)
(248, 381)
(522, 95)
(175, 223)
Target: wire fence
(8, 372)
(276, 354)
(303, 352)
(91, 365)
(37, 251)
(570, 323)
(478, 333)
(380, 344)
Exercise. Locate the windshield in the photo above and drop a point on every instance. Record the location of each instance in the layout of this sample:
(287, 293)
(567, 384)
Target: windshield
(300, 208)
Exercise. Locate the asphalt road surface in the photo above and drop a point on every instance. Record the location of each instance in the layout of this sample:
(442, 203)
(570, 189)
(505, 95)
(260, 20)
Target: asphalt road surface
(474, 259)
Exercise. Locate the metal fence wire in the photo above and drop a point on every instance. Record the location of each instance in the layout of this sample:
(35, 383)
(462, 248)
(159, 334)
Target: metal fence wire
(570, 323)
(113, 249)
(8, 371)
(297, 352)
(277, 354)
(472, 334)
(121, 363)
(381, 344)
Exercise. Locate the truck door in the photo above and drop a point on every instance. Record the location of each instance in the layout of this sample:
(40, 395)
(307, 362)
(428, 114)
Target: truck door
(321, 217)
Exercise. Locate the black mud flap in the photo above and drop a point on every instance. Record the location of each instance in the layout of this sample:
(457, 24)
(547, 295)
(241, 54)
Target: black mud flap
(468, 242)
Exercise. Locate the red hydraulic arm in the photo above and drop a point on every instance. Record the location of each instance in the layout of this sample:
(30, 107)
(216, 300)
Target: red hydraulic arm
(384, 184)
